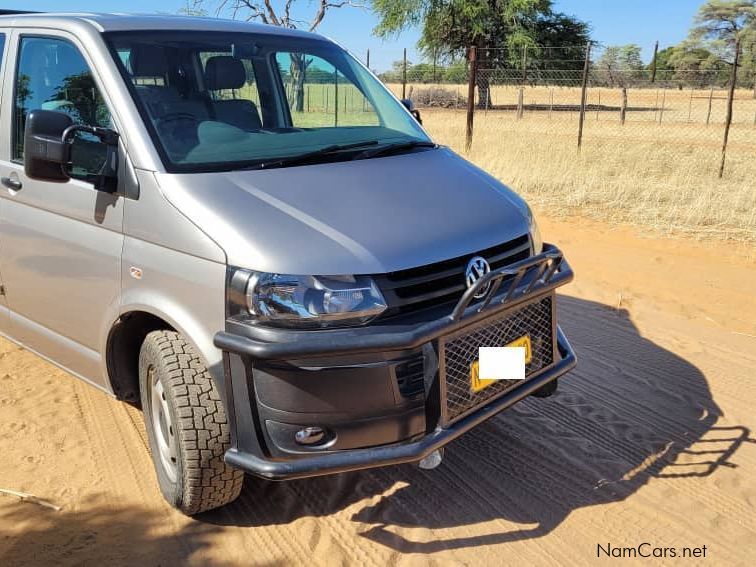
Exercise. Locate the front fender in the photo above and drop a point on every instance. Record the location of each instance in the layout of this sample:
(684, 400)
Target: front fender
(185, 291)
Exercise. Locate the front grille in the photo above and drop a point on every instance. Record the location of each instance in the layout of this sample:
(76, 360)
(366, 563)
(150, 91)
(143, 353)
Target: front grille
(442, 282)
(460, 350)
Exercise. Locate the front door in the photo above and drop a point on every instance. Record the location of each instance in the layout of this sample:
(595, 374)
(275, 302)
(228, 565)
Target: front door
(60, 243)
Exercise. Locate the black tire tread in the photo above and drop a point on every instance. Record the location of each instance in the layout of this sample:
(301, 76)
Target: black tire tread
(203, 429)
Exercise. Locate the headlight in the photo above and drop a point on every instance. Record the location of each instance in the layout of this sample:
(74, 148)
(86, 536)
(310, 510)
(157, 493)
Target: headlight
(311, 301)
(535, 233)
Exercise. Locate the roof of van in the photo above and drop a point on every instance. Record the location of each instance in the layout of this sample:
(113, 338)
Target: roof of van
(104, 22)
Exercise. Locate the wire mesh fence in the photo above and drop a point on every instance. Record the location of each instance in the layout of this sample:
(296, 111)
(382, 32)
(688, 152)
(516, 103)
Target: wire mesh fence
(536, 96)
(600, 132)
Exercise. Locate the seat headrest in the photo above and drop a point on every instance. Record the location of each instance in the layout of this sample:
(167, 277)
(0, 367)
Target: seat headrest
(224, 72)
(148, 61)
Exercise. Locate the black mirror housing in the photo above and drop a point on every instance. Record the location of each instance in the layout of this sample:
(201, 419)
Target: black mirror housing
(48, 138)
(409, 105)
(46, 154)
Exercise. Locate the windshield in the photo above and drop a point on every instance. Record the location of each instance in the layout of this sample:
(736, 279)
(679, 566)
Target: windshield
(221, 101)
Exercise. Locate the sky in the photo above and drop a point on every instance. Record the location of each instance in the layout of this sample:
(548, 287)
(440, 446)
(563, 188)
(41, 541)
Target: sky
(612, 22)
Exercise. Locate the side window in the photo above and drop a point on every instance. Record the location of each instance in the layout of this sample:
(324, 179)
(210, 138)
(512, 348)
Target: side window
(320, 96)
(53, 75)
(2, 47)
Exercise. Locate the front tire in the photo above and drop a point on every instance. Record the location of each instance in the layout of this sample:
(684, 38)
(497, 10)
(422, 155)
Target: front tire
(186, 424)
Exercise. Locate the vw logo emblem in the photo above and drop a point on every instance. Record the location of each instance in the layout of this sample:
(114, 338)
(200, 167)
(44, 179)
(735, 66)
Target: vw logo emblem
(476, 269)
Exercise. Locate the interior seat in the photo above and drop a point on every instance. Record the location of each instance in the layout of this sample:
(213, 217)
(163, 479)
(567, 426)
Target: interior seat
(227, 73)
(175, 116)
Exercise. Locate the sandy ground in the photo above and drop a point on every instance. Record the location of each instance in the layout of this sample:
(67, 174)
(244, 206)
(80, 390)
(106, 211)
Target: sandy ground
(649, 440)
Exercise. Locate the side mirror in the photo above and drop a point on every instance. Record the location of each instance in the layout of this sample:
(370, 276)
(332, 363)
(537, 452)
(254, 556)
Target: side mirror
(408, 104)
(46, 155)
(48, 139)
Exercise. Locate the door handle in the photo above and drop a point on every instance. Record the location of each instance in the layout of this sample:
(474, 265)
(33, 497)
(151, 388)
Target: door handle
(11, 183)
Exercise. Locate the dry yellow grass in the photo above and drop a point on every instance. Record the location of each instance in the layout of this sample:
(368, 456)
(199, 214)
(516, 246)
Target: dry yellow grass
(661, 177)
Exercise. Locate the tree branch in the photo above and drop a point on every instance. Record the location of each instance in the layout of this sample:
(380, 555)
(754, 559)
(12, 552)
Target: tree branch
(325, 5)
(264, 11)
(272, 13)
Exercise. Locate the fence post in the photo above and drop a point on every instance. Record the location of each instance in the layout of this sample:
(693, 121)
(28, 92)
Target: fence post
(708, 112)
(520, 102)
(524, 64)
(664, 100)
(367, 64)
(653, 62)
(730, 97)
(623, 107)
(598, 105)
(656, 105)
(583, 94)
(690, 104)
(551, 102)
(471, 80)
(335, 97)
(404, 75)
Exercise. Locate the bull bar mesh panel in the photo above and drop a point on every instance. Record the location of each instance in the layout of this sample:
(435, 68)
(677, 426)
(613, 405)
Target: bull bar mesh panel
(535, 319)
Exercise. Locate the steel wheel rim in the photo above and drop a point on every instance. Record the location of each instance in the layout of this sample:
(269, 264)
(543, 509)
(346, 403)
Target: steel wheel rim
(162, 426)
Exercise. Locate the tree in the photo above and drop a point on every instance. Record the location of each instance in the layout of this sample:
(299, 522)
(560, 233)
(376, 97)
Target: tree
(724, 24)
(499, 29)
(283, 16)
(695, 66)
(727, 27)
(561, 41)
(193, 8)
(620, 65)
(725, 21)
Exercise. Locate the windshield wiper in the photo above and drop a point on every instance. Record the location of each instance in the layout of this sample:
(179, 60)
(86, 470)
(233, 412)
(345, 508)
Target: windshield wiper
(309, 156)
(394, 148)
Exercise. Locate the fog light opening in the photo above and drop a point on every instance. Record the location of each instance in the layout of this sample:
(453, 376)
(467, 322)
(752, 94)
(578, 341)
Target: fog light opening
(312, 435)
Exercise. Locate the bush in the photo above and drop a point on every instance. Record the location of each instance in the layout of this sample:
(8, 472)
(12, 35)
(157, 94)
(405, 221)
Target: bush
(438, 97)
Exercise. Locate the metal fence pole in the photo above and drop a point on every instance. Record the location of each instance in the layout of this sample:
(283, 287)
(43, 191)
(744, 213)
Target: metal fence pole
(551, 102)
(730, 97)
(708, 112)
(598, 105)
(583, 95)
(471, 80)
(664, 100)
(335, 97)
(367, 64)
(656, 105)
(404, 75)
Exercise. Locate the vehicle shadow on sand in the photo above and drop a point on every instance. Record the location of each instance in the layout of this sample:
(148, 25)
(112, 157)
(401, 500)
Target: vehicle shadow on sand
(630, 412)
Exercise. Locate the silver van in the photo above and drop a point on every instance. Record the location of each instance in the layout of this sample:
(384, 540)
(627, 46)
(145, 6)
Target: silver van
(239, 228)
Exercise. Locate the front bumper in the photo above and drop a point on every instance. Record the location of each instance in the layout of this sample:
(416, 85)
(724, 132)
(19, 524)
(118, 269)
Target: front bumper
(280, 380)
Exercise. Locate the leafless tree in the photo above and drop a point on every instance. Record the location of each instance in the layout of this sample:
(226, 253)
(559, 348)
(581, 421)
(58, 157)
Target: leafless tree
(281, 14)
